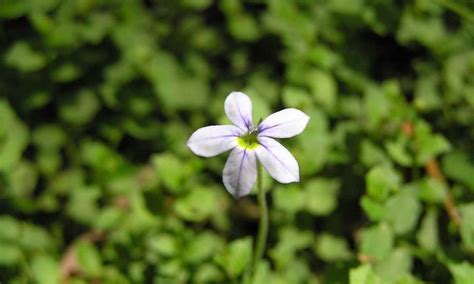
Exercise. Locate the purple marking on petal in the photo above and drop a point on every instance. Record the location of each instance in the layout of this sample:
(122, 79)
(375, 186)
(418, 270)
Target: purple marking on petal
(245, 119)
(215, 137)
(277, 160)
(284, 123)
(238, 108)
(240, 172)
(276, 157)
(260, 130)
(237, 192)
(213, 140)
(240, 112)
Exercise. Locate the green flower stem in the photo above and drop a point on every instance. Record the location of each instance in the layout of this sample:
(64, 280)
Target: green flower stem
(263, 226)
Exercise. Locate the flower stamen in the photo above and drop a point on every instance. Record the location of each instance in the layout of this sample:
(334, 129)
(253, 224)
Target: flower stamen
(249, 140)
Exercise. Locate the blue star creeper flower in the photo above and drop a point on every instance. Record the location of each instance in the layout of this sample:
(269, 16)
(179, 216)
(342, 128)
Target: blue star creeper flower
(249, 143)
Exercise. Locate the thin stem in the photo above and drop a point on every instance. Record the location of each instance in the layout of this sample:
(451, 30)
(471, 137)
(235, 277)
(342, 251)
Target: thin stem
(433, 170)
(263, 226)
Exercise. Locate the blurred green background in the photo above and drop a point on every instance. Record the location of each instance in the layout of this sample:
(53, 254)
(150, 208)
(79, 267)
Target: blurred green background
(98, 98)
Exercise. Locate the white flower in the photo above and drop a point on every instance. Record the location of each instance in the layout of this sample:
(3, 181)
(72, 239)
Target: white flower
(249, 143)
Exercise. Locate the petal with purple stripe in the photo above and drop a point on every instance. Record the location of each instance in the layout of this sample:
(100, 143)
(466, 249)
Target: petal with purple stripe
(284, 123)
(238, 109)
(277, 160)
(240, 172)
(213, 140)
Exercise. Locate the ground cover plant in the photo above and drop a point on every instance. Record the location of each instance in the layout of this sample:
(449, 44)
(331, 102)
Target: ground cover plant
(98, 99)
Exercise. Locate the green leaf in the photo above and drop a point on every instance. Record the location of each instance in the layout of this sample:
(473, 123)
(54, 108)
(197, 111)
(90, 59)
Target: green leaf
(427, 96)
(456, 165)
(428, 144)
(321, 196)
(35, 238)
(171, 271)
(260, 106)
(381, 181)
(297, 271)
(37, 100)
(331, 248)
(80, 108)
(296, 97)
(22, 57)
(12, 143)
(364, 275)
(13, 9)
(262, 273)
(11, 254)
(377, 242)
(428, 235)
(108, 218)
(432, 147)
(49, 137)
(290, 240)
(45, 269)
(10, 229)
(396, 265)
(398, 151)
(243, 27)
(289, 198)
(89, 258)
(432, 191)
(402, 211)
(164, 244)
(467, 226)
(202, 247)
(376, 106)
(66, 181)
(428, 31)
(463, 272)
(170, 169)
(23, 180)
(323, 88)
(372, 155)
(100, 157)
(266, 87)
(323, 56)
(66, 73)
(198, 205)
(196, 4)
(48, 161)
(343, 7)
(235, 258)
(82, 205)
(173, 87)
(230, 6)
(374, 209)
(209, 273)
(316, 140)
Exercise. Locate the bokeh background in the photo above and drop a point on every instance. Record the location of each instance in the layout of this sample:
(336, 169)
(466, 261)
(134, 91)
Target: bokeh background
(98, 98)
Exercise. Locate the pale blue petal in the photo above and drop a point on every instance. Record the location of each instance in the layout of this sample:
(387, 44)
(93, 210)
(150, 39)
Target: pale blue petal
(277, 160)
(213, 140)
(240, 172)
(283, 124)
(238, 109)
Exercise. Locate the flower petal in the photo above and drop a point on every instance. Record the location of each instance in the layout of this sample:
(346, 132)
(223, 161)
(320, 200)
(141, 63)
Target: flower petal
(212, 140)
(238, 109)
(240, 172)
(283, 124)
(277, 160)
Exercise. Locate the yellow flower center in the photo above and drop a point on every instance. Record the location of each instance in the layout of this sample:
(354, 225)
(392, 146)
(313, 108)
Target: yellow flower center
(248, 141)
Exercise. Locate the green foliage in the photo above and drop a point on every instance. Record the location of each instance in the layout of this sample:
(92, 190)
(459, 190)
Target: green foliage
(236, 257)
(98, 99)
